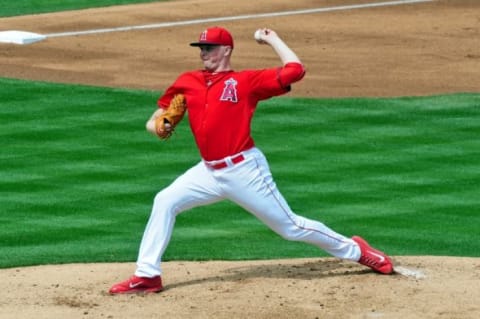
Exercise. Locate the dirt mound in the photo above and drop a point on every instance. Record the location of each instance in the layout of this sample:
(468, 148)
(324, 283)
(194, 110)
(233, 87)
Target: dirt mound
(434, 287)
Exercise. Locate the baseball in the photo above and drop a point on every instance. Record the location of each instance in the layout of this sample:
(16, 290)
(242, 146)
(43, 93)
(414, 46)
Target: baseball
(257, 35)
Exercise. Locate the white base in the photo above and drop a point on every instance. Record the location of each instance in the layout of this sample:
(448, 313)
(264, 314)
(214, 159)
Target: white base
(20, 37)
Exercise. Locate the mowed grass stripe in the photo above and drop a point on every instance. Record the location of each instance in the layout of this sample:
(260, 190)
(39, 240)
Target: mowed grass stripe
(73, 154)
(79, 174)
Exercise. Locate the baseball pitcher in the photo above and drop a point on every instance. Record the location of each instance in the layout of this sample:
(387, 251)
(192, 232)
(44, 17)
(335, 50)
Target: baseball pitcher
(221, 103)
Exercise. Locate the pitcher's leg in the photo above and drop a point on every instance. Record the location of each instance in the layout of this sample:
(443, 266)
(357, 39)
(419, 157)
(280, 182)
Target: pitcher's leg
(261, 197)
(194, 188)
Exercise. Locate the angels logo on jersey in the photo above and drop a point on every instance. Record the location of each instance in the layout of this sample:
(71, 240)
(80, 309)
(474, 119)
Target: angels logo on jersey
(230, 91)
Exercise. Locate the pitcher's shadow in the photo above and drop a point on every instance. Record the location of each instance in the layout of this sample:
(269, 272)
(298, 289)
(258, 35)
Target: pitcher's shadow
(303, 270)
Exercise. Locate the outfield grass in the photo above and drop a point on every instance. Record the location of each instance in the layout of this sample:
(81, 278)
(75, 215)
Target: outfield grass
(79, 173)
(23, 7)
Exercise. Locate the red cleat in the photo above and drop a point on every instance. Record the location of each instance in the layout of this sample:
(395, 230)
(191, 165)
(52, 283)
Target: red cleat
(373, 258)
(138, 284)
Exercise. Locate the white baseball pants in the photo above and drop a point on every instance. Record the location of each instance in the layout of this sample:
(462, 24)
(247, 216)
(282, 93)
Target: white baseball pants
(250, 185)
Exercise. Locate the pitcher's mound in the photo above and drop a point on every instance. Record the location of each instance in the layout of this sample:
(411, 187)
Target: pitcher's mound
(424, 287)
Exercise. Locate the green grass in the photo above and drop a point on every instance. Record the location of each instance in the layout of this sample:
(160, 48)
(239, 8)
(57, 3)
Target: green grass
(23, 7)
(79, 172)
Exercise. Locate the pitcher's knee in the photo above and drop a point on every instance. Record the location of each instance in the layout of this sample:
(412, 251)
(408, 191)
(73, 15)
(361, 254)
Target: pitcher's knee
(294, 229)
(292, 233)
(165, 202)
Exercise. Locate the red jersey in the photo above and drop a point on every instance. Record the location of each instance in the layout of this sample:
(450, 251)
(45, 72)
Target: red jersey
(221, 105)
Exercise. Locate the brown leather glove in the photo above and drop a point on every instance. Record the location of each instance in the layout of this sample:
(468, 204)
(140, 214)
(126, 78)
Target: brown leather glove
(165, 124)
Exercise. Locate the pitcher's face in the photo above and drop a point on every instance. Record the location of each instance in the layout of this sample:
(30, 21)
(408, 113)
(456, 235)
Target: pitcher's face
(215, 57)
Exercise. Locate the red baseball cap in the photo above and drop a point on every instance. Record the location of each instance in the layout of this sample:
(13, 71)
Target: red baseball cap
(214, 36)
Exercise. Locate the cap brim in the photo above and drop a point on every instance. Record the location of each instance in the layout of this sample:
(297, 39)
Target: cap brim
(197, 44)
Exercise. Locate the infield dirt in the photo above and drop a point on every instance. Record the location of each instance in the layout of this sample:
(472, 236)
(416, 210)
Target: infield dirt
(417, 49)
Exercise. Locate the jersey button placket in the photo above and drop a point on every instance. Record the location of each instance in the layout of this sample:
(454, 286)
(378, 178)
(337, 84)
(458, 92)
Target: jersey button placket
(204, 119)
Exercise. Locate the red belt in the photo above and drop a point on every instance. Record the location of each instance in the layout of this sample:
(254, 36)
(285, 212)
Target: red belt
(219, 165)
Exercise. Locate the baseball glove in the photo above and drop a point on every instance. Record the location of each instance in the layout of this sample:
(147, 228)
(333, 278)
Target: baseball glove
(165, 124)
